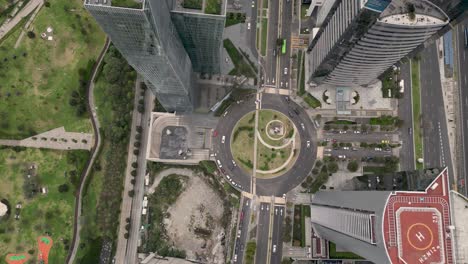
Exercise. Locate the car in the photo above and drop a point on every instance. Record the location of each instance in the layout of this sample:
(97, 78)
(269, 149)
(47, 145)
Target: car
(410, 131)
(219, 163)
(248, 26)
(290, 114)
(327, 154)
(302, 126)
(286, 98)
(225, 113)
(354, 149)
(223, 139)
(346, 148)
(253, 4)
(357, 132)
(241, 216)
(247, 203)
(227, 60)
(285, 71)
(342, 156)
(222, 170)
(286, 84)
(308, 143)
(334, 140)
(234, 163)
(281, 84)
(327, 150)
(215, 133)
(388, 149)
(378, 149)
(274, 55)
(274, 248)
(235, 258)
(296, 111)
(284, 196)
(229, 178)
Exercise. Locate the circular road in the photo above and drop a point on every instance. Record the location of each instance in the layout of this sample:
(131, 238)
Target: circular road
(273, 186)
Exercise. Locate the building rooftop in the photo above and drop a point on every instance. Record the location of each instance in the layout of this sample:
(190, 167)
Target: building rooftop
(416, 225)
(415, 7)
(134, 4)
(210, 7)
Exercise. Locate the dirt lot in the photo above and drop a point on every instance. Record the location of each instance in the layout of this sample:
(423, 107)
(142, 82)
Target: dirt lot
(194, 222)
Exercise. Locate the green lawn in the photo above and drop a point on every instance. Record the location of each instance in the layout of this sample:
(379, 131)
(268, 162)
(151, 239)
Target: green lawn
(213, 7)
(268, 115)
(52, 212)
(265, 3)
(416, 95)
(192, 4)
(304, 11)
(126, 3)
(264, 36)
(341, 255)
(312, 101)
(39, 76)
(241, 66)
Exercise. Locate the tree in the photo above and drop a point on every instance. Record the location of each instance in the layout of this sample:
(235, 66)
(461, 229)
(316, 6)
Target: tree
(63, 188)
(326, 127)
(353, 166)
(31, 34)
(131, 193)
(318, 163)
(47, 4)
(279, 42)
(332, 167)
(126, 235)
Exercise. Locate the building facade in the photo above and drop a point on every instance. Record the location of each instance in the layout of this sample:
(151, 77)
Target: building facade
(164, 49)
(361, 39)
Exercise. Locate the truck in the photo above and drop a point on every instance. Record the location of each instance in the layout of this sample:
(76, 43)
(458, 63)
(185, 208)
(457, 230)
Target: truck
(401, 84)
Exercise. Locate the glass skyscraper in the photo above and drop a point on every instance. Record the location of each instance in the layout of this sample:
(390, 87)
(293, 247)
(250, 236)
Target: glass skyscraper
(165, 53)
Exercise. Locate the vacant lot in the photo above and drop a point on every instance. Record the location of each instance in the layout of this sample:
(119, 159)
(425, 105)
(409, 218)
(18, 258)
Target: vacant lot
(50, 213)
(39, 77)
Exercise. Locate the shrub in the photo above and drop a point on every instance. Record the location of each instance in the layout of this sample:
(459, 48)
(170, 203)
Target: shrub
(353, 166)
(63, 188)
(31, 34)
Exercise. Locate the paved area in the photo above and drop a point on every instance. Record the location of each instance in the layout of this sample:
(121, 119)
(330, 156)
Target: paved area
(56, 138)
(459, 205)
(26, 26)
(405, 113)
(262, 232)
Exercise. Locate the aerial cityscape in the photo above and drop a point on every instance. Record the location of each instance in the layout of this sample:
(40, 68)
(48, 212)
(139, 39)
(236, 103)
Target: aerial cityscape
(233, 131)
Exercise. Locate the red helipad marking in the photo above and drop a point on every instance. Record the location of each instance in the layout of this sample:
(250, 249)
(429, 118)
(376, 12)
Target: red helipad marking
(415, 225)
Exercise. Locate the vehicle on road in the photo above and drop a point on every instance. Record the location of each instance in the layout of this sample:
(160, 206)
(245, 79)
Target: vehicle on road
(219, 163)
(302, 126)
(225, 113)
(215, 133)
(296, 111)
(242, 215)
(274, 248)
(281, 84)
(410, 131)
(253, 4)
(248, 26)
(308, 143)
(346, 148)
(342, 156)
(229, 178)
(285, 71)
(239, 233)
(234, 163)
(378, 149)
(357, 132)
(290, 114)
(235, 258)
(283, 47)
(223, 139)
(274, 53)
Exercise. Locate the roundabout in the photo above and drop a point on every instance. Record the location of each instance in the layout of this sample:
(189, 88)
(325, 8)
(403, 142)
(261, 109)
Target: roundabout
(275, 141)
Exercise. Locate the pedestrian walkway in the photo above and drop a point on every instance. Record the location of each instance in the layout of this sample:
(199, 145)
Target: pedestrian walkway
(56, 138)
(24, 12)
(26, 27)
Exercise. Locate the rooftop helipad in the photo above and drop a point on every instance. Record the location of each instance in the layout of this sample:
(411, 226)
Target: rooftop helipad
(416, 225)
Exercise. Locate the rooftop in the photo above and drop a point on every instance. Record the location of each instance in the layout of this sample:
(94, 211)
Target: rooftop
(134, 4)
(210, 7)
(416, 224)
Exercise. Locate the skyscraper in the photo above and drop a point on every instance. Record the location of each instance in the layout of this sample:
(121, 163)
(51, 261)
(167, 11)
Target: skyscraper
(389, 227)
(151, 42)
(360, 39)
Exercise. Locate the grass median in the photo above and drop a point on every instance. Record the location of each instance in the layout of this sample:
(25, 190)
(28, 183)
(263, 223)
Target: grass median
(264, 36)
(416, 96)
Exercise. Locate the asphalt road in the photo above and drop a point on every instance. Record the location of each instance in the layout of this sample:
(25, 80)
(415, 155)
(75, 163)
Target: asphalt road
(270, 59)
(462, 73)
(252, 35)
(374, 137)
(244, 221)
(358, 154)
(284, 59)
(275, 186)
(436, 144)
(262, 233)
(407, 160)
(277, 236)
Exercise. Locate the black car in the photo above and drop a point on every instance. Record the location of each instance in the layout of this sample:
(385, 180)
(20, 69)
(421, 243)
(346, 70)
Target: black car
(296, 111)
(290, 114)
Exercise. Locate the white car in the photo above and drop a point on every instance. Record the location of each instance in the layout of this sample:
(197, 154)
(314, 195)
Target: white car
(286, 84)
(342, 156)
(378, 149)
(346, 148)
(248, 26)
(285, 71)
(223, 139)
(253, 4)
(281, 84)
(229, 178)
(302, 126)
(219, 163)
(234, 163)
(274, 248)
(308, 143)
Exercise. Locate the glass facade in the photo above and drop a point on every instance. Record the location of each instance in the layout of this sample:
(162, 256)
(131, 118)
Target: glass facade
(202, 37)
(149, 41)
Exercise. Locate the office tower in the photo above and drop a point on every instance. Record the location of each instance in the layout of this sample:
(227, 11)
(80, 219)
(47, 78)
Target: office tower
(201, 32)
(389, 226)
(360, 39)
(150, 41)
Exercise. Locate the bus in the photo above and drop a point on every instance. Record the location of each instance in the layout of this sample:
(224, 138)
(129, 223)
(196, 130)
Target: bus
(283, 47)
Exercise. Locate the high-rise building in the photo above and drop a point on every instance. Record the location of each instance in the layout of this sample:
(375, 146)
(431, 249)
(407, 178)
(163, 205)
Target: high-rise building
(164, 52)
(391, 226)
(360, 39)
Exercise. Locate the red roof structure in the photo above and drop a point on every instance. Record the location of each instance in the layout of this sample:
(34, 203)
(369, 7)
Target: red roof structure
(416, 225)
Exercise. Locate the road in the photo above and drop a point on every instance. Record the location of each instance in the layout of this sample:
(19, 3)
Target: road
(407, 160)
(277, 236)
(462, 73)
(244, 221)
(263, 228)
(435, 141)
(284, 76)
(95, 151)
(139, 186)
(272, 49)
(372, 137)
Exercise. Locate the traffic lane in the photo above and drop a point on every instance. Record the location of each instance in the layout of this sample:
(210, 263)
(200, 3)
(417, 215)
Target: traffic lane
(360, 153)
(272, 52)
(405, 113)
(262, 233)
(244, 227)
(306, 156)
(253, 30)
(277, 236)
(286, 18)
(223, 151)
(463, 88)
(431, 102)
